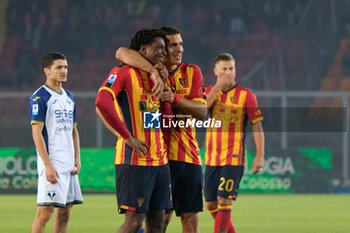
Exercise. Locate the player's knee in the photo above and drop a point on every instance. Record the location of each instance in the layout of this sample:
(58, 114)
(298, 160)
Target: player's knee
(189, 218)
(156, 222)
(135, 226)
(133, 221)
(223, 201)
(44, 216)
(211, 205)
(189, 222)
(63, 215)
(158, 227)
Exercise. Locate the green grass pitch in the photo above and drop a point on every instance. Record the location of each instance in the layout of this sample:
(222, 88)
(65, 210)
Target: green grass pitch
(258, 213)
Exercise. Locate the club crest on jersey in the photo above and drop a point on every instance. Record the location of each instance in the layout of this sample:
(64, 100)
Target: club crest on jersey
(51, 194)
(111, 78)
(182, 81)
(35, 109)
(233, 99)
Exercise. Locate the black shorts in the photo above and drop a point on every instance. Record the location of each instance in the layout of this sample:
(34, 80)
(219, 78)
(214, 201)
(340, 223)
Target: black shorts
(187, 187)
(142, 188)
(222, 181)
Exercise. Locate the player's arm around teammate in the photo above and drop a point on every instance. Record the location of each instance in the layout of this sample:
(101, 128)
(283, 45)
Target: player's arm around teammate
(131, 57)
(134, 58)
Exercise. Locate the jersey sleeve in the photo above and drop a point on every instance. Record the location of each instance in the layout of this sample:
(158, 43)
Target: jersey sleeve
(251, 106)
(197, 90)
(207, 90)
(38, 109)
(107, 103)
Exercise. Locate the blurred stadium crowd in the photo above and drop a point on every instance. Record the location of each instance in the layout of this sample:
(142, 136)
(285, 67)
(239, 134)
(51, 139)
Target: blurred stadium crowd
(89, 32)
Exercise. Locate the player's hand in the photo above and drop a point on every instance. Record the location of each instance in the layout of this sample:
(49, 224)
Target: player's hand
(257, 164)
(163, 72)
(77, 168)
(138, 145)
(158, 83)
(224, 80)
(51, 174)
(167, 95)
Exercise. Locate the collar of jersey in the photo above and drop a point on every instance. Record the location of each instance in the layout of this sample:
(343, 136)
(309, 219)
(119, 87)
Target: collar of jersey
(230, 88)
(172, 72)
(54, 90)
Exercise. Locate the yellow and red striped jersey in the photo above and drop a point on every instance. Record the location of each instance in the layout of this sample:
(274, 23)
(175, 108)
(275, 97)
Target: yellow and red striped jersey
(129, 90)
(187, 81)
(225, 145)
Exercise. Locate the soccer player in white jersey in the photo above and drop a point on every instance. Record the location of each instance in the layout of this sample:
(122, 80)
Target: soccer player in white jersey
(56, 138)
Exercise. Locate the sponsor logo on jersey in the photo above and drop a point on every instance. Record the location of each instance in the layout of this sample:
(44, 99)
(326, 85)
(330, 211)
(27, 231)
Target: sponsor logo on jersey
(36, 98)
(111, 78)
(35, 109)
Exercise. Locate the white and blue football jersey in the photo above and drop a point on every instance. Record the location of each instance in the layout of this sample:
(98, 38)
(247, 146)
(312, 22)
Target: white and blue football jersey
(57, 113)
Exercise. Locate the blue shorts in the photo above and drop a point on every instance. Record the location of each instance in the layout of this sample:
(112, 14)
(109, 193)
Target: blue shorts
(222, 182)
(142, 188)
(187, 187)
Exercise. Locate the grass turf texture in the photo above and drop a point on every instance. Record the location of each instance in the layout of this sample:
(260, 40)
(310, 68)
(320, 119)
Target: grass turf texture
(250, 214)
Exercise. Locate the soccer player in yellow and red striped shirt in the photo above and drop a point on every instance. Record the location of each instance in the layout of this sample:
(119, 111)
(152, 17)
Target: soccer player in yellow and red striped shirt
(184, 91)
(142, 170)
(225, 155)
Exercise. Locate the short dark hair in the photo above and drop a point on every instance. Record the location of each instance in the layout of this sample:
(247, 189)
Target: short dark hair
(48, 59)
(145, 36)
(223, 57)
(170, 30)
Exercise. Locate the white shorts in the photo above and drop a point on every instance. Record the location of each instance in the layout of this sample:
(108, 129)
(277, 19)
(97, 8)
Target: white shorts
(65, 192)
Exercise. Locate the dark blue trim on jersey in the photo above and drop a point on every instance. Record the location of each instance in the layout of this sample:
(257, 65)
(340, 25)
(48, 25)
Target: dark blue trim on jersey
(46, 138)
(70, 95)
(172, 72)
(121, 65)
(124, 104)
(40, 97)
(230, 88)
